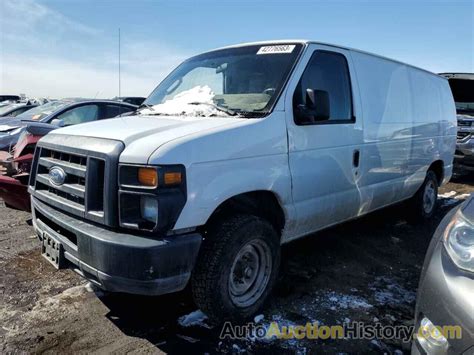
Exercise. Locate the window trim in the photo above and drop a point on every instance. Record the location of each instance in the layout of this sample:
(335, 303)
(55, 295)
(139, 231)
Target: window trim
(351, 120)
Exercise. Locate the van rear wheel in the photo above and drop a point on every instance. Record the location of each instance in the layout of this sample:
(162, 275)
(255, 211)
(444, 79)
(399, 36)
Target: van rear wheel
(236, 268)
(423, 204)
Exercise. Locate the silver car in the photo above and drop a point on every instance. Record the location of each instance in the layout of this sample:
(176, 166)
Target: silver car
(444, 316)
(462, 87)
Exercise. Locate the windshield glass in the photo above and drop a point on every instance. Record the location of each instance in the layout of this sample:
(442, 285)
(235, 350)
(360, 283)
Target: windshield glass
(463, 93)
(243, 81)
(39, 112)
(5, 109)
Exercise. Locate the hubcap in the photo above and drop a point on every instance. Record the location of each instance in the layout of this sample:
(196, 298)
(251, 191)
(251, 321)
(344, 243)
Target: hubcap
(429, 197)
(250, 273)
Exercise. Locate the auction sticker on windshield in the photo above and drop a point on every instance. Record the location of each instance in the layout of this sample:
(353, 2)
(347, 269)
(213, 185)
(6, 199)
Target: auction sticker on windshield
(284, 48)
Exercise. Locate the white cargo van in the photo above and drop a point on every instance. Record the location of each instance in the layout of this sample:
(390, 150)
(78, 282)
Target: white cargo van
(236, 152)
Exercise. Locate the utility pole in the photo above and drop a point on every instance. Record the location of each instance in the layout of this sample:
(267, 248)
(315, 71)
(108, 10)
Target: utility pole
(119, 73)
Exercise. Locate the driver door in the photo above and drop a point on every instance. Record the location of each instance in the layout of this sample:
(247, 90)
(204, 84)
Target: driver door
(324, 148)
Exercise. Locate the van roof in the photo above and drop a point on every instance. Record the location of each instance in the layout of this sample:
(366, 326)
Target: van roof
(304, 42)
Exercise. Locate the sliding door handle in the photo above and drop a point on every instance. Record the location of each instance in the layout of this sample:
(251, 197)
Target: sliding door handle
(356, 158)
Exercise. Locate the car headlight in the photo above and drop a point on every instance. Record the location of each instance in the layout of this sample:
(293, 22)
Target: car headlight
(149, 209)
(459, 242)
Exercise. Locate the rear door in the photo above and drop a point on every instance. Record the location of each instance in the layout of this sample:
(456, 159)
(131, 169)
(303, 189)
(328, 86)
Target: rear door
(324, 152)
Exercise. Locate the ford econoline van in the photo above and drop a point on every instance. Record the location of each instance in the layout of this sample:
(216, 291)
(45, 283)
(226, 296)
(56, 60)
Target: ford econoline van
(238, 151)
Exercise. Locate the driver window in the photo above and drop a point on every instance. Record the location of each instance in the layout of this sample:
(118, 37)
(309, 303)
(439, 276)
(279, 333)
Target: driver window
(80, 114)
(329, 72)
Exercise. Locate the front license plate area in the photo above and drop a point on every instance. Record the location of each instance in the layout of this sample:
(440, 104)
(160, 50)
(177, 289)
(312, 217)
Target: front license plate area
(52, 251)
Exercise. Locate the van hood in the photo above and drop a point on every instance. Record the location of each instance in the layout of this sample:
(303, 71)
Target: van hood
(145, 134)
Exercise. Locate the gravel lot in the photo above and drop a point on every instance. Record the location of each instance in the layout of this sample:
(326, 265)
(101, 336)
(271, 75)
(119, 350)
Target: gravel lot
(366, 270)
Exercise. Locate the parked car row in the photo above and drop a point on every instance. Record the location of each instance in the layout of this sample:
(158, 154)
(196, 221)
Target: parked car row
(462, 87)
(238, 151)
(13, 110)
(18, 137)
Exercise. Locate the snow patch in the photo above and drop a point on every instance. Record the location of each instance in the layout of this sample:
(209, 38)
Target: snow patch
(451, 198)
(335, 301)
(447, 194)
(389, 292)
(182, 104)
(196, 318)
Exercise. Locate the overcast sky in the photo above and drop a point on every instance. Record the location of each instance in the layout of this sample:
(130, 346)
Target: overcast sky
(69, 48)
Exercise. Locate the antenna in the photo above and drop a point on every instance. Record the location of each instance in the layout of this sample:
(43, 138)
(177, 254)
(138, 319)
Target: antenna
(119, 74)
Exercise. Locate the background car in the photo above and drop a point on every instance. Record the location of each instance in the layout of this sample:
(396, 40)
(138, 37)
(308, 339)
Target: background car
(134, 100)
(13, 98)
(15, 168)
(446, 289)
(462, 87)
(14, 110)
(60, 113)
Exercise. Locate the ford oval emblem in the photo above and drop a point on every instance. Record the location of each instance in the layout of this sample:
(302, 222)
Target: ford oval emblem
(57, 176)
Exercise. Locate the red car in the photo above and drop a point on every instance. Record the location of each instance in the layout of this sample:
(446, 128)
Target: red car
(15, 167)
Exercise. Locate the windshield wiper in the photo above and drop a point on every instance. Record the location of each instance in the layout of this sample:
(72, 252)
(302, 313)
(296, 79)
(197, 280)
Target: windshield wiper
(218, 108)
(142, 106)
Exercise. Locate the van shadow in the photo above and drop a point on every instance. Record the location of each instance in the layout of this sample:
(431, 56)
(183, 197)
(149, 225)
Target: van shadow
(344, 257)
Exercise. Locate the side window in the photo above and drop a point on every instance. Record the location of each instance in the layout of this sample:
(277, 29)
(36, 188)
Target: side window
(19, 111)
(80, 114)
(323, 94)
(115, 110)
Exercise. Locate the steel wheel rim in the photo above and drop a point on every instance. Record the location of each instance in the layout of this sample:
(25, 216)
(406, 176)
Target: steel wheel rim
(250, 273)
(429, 197)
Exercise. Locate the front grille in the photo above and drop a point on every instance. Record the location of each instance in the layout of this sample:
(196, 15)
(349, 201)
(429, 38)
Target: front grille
(462, 135)
(464, 123)
(72, 192)
(89, 187)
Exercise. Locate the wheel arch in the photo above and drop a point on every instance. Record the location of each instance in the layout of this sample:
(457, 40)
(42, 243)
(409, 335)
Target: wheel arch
(438, 168)
(261, 203)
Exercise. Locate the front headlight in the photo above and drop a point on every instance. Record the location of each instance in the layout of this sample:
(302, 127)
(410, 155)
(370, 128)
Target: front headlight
(151, 197)
(459, 242)
(149, 209)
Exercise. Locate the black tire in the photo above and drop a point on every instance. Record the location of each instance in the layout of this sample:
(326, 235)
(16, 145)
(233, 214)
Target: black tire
(211, 280)
(417, 207)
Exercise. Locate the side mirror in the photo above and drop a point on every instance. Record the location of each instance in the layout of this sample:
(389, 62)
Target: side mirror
(316, 108)
(57, 122)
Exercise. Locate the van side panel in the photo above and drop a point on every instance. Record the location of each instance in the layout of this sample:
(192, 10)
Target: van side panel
(407, 124)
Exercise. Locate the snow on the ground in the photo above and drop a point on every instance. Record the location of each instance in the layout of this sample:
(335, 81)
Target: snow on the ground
(388, 291)
(462, 196)
(334, 300)
(181, 104)
(451, 198)
(447, 194)
(196, 318)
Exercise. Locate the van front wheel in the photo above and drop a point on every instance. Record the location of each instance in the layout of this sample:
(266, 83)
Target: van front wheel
(423, 204)
(236, 269)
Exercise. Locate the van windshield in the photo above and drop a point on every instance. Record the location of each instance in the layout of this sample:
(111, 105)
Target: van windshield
(243, 81)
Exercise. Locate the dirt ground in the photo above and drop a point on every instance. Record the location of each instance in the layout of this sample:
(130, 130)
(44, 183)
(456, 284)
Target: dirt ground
(366, 270)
